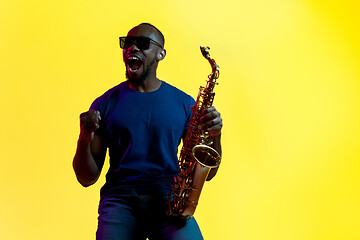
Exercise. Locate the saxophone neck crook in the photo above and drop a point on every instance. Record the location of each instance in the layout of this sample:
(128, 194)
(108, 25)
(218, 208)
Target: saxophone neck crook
(215, 68)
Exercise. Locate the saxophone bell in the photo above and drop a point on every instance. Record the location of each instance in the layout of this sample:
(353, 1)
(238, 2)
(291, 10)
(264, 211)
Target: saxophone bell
(206, 156)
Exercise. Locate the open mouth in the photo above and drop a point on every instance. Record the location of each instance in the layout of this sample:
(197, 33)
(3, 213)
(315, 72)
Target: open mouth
(134, 63)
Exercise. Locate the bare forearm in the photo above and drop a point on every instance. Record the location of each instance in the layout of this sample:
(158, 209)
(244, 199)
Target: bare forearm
(217, 146)
(84, 164)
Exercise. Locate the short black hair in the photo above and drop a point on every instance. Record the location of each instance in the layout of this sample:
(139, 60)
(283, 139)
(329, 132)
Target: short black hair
(160, 33)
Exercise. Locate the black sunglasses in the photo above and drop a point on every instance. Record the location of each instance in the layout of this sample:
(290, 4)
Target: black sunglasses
(142, 43)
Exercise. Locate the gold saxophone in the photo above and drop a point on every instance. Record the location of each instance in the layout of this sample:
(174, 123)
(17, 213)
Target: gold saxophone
(196, 157)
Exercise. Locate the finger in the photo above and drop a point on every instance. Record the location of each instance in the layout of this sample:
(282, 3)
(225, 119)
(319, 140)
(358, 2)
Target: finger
(207, 110)
(210, 116)
(88, 118)
(89, 121)
(90, 113)
(210, 123)
(97, 114)
(90, 127)
(215, 133)
(215, 127)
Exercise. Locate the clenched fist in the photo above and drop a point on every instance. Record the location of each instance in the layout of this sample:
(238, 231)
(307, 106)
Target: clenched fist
(89, 122)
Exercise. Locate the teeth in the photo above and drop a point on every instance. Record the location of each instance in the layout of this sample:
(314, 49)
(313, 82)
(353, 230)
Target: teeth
(133, 58)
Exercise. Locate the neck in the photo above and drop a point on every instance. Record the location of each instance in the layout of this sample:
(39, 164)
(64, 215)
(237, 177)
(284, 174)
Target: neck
(148, 85)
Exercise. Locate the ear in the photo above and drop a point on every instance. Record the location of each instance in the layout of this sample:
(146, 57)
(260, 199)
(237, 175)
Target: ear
(161, 55)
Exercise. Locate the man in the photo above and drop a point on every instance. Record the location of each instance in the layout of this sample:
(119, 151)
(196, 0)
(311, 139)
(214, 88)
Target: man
(141, 121)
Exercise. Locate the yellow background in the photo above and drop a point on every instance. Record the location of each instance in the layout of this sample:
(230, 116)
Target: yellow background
(289, 93)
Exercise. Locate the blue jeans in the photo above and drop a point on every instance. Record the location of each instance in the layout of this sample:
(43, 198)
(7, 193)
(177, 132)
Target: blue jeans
(133, 216)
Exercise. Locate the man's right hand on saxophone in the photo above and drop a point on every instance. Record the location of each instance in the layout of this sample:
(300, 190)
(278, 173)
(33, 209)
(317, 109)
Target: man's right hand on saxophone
(211, 122)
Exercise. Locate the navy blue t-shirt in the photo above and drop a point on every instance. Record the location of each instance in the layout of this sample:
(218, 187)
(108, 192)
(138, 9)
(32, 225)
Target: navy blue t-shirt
(142, 131)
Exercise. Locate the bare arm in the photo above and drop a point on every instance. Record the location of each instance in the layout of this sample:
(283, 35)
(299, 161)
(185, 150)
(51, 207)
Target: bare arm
(217, 146)
(211, 121)
(91, 150)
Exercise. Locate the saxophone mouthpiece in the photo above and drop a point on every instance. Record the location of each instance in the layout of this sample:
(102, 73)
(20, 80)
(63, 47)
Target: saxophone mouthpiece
(204, 51)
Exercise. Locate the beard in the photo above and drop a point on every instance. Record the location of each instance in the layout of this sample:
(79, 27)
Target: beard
(137, 81)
